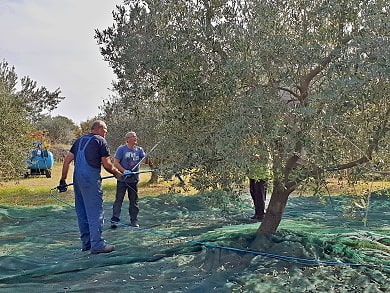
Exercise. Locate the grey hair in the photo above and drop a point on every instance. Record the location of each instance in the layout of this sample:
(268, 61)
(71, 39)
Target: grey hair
(130, 133)
(96, 124)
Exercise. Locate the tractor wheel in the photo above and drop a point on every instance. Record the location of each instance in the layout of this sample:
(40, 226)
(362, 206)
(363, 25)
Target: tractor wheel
(48, 173)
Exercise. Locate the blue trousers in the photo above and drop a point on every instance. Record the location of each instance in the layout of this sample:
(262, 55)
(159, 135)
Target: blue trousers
(90, 213)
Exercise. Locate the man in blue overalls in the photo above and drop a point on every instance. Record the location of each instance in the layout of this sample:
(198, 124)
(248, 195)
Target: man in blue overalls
(89, 152)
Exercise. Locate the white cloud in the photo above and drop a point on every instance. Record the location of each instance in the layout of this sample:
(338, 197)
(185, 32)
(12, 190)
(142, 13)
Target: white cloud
(52, 41)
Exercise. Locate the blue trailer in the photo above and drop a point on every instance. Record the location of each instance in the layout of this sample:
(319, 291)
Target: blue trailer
(40, 161)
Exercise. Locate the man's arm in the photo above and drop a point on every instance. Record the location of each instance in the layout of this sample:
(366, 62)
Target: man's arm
(109, 166)
(65, 166)
(118, 165)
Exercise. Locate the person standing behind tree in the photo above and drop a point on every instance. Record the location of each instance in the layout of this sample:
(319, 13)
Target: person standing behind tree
(259, 174)
(89, 153)
(127, 159)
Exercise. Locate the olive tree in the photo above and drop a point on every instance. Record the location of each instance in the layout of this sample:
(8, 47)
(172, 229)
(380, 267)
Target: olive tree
(15, 143)
(19, 110)
(301, 82)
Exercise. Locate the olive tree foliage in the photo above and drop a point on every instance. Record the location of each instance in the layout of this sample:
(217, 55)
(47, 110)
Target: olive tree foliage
(36, 100)
(13, 130)
(304, 83)
(18, 110)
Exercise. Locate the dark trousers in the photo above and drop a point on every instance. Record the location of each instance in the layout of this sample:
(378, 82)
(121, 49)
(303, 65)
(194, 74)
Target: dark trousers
(258, 191)
(132, 193)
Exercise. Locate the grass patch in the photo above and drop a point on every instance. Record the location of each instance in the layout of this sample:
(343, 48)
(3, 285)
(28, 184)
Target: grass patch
(25, 196)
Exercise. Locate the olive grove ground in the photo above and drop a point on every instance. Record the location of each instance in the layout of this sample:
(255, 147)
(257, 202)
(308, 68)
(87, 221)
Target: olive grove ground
(185, 246)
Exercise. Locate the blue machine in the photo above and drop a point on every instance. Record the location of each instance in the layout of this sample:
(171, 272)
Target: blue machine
(40, 162)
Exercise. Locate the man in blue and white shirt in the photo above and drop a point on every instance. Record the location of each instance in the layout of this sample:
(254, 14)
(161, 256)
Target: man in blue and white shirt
(127, 159)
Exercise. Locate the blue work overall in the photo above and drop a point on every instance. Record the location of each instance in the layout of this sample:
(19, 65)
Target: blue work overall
(88, 199)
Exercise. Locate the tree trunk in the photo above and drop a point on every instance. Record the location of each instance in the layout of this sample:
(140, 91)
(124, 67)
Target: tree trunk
(153, 175)
(275, 210)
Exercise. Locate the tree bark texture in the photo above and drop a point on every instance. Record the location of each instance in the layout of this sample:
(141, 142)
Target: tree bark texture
(275, 210)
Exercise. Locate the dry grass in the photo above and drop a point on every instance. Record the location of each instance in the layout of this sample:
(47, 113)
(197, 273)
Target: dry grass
(336, 186)
(36, 190)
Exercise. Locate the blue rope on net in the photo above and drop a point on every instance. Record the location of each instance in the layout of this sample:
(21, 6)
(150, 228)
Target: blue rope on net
(264, 254)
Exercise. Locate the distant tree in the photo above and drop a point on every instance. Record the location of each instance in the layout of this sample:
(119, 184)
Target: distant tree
(305, 83)
(58, 129)
(85, 127)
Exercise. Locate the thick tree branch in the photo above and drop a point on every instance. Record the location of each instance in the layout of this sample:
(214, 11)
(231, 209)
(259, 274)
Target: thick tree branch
(348, 165)
(294, 94)
(303, 87)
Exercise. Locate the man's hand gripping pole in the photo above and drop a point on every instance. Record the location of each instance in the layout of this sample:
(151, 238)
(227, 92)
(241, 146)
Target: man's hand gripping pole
(62, 187)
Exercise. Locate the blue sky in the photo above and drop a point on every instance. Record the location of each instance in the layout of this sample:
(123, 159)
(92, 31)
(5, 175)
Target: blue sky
(52, 42)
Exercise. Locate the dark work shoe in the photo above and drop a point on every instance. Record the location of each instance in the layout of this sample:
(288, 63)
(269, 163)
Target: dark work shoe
(85, 246)
(134, 223)
(106, 249)
(114, 223)
(257, 218)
